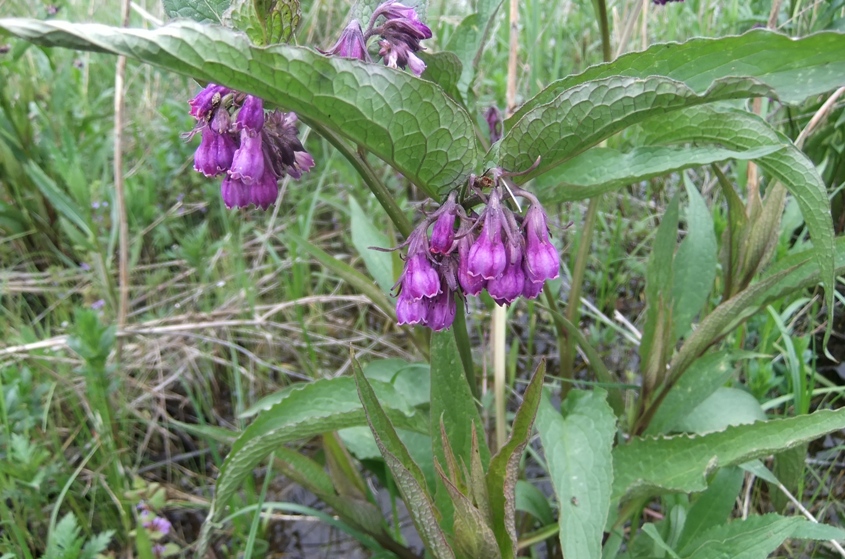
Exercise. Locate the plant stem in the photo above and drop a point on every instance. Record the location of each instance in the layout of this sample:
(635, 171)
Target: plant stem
(119, 187)
(604, 28)
(358, 160)
(459, 327)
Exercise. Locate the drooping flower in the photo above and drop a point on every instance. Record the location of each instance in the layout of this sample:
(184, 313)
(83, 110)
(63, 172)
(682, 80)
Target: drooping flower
(443, 232)
(261, 193)
(251, 115)
(487, 257)
(207, 100)
(351, 43)
(393, 10)
(248, 161)
(471, 285)
(541, 258)
(215, 152)
(441, 310)
(505, 288)
(410, 311)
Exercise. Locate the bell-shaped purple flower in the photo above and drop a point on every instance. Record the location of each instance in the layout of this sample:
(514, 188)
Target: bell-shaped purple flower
(530, 289)
(251, 115)
(541, 258)
(487, 257)
(248, 162)
(396, 12)
(215, 152)
(441, 311)
(471, 285)
(420, 279)
(351, 43)
(443, 233)
(262, 193)
(207, 100)
(410, 311)
(505, 288)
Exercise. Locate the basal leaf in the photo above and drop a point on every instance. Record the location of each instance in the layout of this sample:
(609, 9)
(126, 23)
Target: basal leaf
(695, 263)
(742, 130)
(753, 538)
(408, 122)
(310, 409)
(794, 69)
(581, 117)
(504, 466)
(578, 452)
(202, 11)
(680, 463)
(599, 170)
(408, 475)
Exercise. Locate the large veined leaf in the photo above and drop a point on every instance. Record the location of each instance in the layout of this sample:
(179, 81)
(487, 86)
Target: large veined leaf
(755, 537)
(314, 408)
(794, 69)
(578, 451)
(409, 122)
(599, 170)
(582, 116)
(681, 463)
(203, 11)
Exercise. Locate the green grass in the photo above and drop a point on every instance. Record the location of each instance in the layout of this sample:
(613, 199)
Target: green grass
(209, 332)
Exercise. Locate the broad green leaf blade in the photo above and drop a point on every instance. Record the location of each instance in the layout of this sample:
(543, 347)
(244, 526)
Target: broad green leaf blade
(467, 41)
(265, 22)
(408, 122)
(504, 466)
(695, 263)
(408, 475)
(202, 11)
(714, 506)
(578, 452)
(310, 409)
(680, 463)
(581, 117)
(453, 404)
(794, 69)
(741, 130)
(444, 69)
(725, 407)
(366, 235)
(754, 538)
(599, 170)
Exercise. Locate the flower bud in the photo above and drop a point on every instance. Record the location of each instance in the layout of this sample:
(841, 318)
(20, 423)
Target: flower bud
(351, 43)
(251, 115)
(207, 100)
(443, 233)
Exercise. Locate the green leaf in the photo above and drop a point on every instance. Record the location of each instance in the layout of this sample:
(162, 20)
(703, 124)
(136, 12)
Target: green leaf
(531, 500)
(202, 11)
(444, 69)
(467, 41)
(453, 404)
(408, 122)
(578, 452)
(695, 263)
(473, 537)
(66, 207)
(704, 376)
(581, 117)
(504, 466)
(794, 69)
(308, 410)
(365, 235)
(681, 463)
(742, 130)
(265, 22)
(713, 506)
(408, 475)
(755, 537)
(725, 407)
(599, 170)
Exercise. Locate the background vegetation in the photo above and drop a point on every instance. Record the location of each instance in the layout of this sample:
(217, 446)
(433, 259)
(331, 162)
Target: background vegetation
(227, 307)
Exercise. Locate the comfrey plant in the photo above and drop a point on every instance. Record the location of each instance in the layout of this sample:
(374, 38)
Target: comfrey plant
(611, 452)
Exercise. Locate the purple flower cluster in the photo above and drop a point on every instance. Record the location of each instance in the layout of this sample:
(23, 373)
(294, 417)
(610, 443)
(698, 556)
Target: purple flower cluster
(400, 33)
(507, 254)
(252, 147)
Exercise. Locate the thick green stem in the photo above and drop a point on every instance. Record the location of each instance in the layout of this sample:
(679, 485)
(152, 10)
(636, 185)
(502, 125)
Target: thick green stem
(574, 306)
(383, 195)
(459, 327)
(604, 28)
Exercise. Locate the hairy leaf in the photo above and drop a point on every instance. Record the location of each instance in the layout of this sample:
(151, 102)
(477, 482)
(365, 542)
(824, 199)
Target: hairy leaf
(408, 475)
(581, 117)
(202, 11)
(504, 466)
(680, 463)
(794, 69)
(473, 537)
(599, 170)
(409, 122)
(578, 452)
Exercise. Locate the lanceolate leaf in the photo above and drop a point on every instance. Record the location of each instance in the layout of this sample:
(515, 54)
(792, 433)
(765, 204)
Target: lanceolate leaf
(578, 452)
(312, 409)
(599, 170)
(409, 122)
(408, 475)
(681, 463)
(203, 11)
(581, 117)
(504, 466)
(794, 69)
